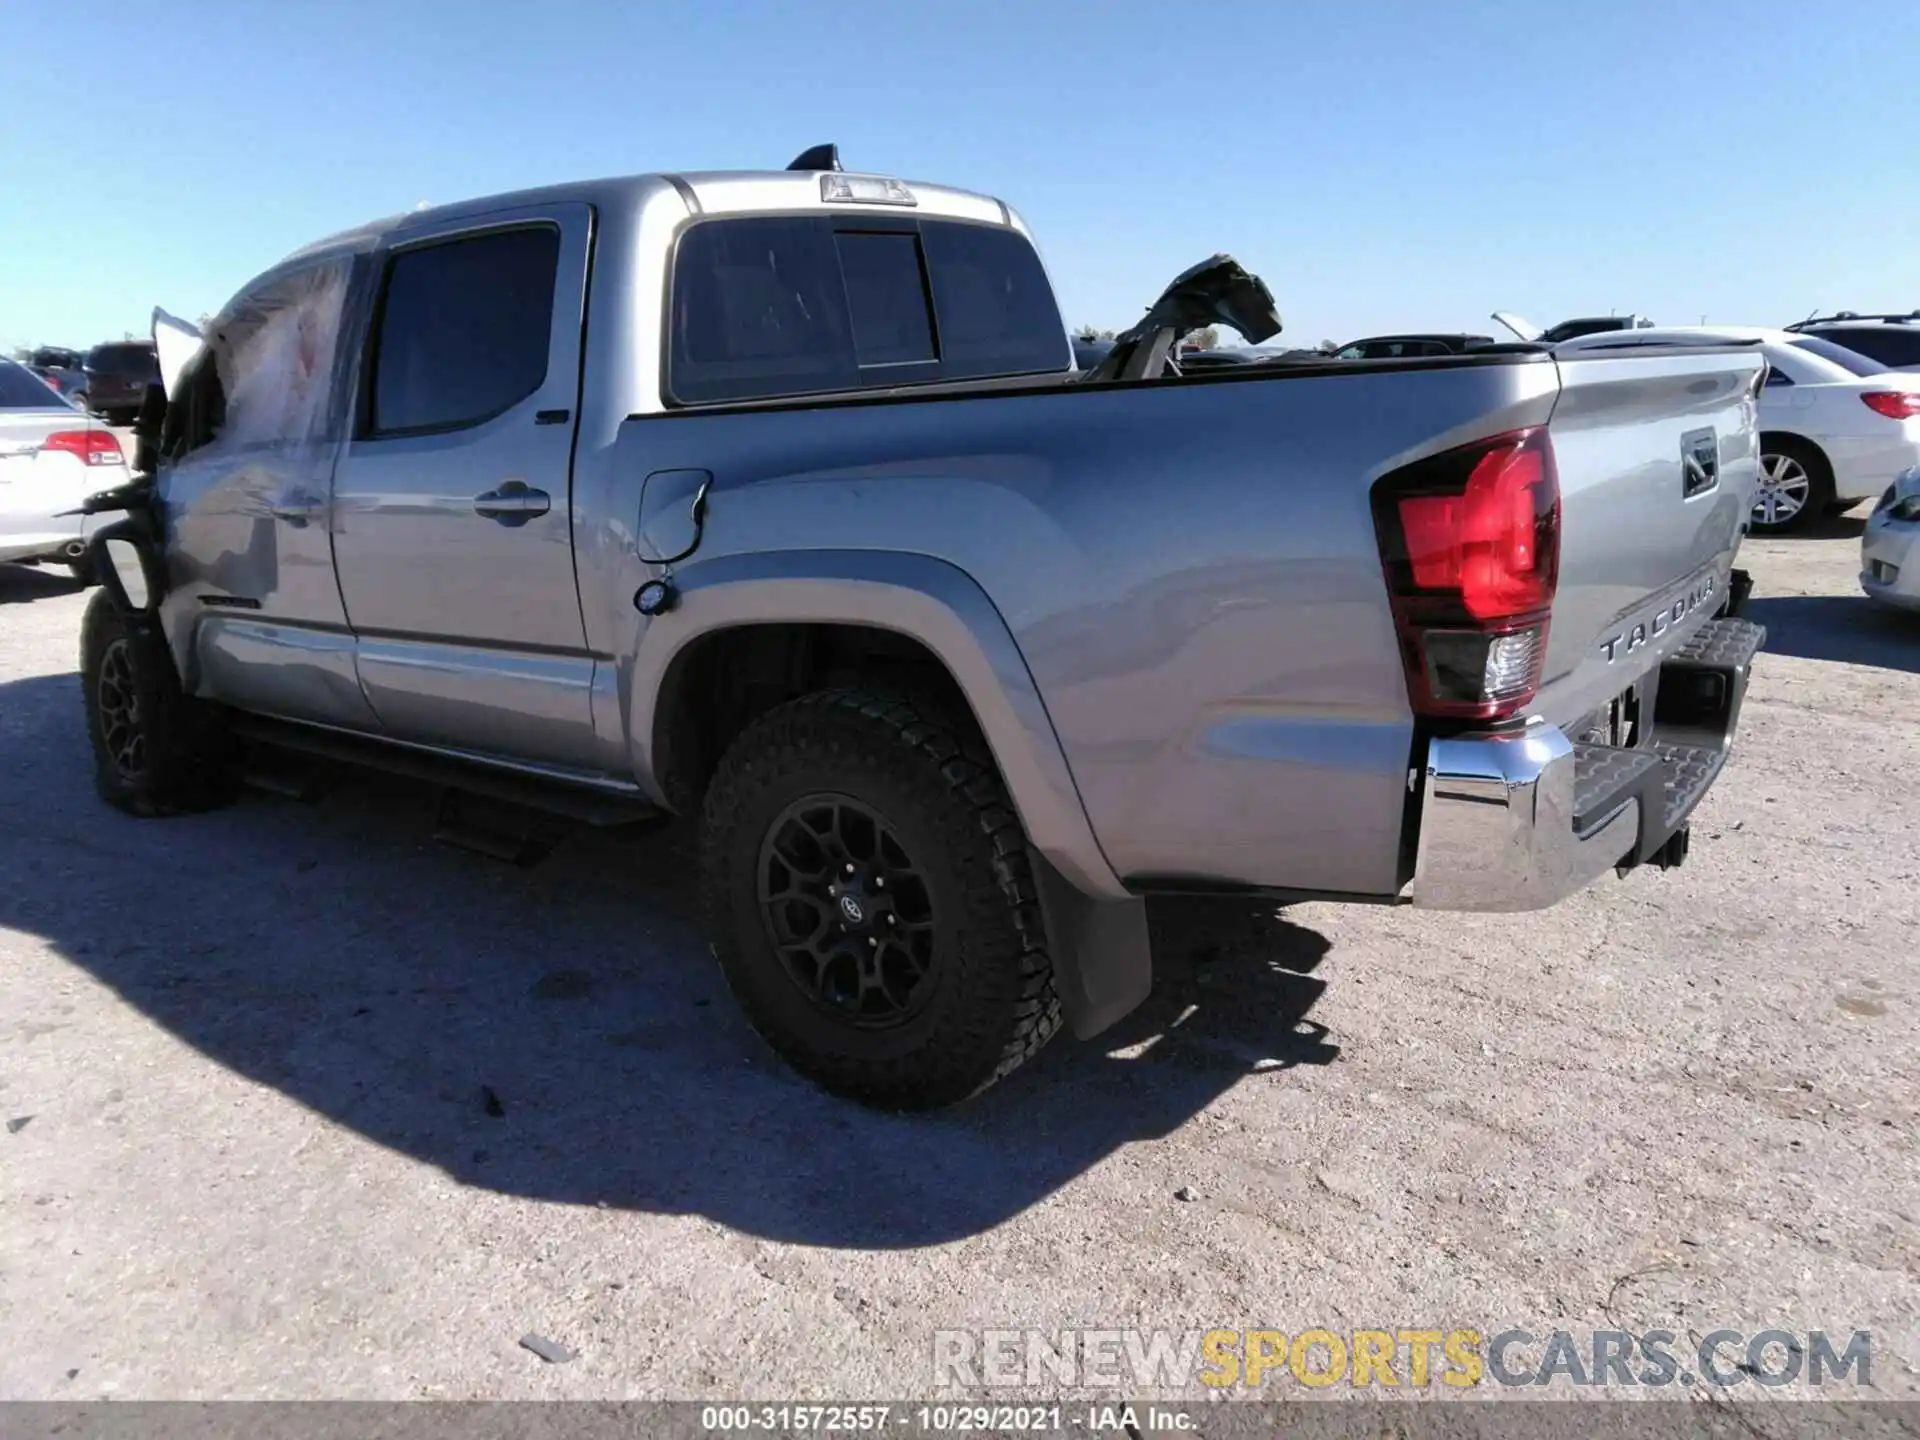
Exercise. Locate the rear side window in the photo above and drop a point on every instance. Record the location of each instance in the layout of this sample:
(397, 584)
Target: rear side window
(774, 306)
(463, 330)
(1895, 345)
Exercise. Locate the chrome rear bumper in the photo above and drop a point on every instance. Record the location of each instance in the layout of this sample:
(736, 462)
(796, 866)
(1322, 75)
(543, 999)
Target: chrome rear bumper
(1519, 820)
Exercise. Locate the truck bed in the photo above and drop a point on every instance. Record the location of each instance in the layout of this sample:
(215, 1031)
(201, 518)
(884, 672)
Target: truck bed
(1193, 576)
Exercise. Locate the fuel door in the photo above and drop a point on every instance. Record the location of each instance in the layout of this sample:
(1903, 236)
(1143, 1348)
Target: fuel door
(673, 513)
(673, 516)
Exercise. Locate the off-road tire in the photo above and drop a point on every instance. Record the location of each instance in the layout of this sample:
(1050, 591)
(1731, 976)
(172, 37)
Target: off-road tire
(184, 758)
(992, 1003)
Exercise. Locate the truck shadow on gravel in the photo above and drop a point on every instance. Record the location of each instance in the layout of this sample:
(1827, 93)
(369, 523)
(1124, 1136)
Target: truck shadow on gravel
(20, 584)
(1852, 630)
(561, 1032)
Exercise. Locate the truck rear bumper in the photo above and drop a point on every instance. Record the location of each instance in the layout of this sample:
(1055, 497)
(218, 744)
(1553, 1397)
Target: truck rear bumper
(1520, 820)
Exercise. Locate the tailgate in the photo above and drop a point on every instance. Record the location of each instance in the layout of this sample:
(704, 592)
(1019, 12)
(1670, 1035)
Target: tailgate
(1657, 458)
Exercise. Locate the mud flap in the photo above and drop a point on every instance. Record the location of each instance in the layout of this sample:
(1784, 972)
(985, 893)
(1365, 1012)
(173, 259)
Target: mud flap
(1102, 958)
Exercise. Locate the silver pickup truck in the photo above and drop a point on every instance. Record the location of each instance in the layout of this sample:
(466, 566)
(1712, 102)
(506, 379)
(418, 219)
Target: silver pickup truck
(773, 500)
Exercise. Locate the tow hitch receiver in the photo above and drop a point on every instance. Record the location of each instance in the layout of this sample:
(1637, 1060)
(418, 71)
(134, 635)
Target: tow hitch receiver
(1696, 710)
(1673, 854)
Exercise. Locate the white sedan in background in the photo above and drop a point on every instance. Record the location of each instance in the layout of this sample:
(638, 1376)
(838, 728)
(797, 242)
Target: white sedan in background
(1890, 548)
(1836, 427)
(52, 457)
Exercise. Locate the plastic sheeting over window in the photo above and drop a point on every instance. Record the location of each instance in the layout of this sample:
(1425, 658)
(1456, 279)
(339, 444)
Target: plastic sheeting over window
(275, 351)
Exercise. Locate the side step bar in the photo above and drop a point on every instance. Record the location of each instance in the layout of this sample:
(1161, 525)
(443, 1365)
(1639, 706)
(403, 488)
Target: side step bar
(555, 796)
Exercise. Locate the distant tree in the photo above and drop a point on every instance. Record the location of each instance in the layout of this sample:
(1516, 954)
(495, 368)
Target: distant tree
(1091, 332)
(1327, 347)
(1205, 338)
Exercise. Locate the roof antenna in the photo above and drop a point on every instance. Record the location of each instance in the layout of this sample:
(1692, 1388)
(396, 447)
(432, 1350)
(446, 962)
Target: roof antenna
(819, 157)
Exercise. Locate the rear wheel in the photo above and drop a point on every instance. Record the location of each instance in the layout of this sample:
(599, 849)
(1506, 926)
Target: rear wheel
(871, 898)
(1796, 485)
(156, 750)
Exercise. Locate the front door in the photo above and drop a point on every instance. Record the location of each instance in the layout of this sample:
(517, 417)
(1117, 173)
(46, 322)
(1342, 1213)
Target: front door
(453, 525)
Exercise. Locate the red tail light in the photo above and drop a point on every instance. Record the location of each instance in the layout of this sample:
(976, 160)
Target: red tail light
(1471, 544)
(1894, 404)
(90, 447)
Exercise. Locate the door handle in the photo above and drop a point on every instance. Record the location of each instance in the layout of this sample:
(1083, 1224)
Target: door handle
(513, 503)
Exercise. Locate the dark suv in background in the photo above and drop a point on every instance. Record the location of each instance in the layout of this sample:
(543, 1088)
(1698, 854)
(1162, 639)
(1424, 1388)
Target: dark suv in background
(118, 374)
(1893, 340)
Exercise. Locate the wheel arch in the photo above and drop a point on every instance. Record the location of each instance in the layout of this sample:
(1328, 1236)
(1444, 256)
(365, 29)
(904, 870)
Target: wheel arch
(780, 623)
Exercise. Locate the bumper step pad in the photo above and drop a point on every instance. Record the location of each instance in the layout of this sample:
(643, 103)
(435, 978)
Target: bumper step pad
(1690, 769)
(1605, 778)
(1699, 694)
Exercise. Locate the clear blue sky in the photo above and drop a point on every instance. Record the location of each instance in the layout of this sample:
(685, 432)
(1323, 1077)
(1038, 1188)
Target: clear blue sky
(1383, 163)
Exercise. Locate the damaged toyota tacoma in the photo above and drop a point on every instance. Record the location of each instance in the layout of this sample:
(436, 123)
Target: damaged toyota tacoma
(774, 501)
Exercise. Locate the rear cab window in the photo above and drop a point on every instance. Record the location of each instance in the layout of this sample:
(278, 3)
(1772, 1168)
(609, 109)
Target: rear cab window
(765, 307)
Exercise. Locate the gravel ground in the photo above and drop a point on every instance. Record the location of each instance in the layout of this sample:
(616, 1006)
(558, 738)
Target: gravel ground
(302, 1105)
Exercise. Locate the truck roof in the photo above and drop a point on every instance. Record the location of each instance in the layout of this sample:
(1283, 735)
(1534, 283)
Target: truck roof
(702, 192)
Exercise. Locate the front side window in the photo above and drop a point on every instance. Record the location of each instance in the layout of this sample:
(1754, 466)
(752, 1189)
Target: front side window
(463, 330)
(275, 351)
(266, 372)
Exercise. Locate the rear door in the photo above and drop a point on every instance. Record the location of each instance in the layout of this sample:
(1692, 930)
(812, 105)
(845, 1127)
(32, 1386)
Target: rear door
(452, 501)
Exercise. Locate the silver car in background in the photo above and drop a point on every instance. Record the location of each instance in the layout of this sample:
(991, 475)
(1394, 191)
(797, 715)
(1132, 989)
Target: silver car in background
(1890, 548)
(52, 457)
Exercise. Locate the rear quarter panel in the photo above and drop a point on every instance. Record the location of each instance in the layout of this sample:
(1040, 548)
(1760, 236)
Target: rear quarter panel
(1190, 571)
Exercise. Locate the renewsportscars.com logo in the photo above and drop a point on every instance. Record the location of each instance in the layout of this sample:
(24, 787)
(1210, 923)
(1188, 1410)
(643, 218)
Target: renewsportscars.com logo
(1033, 1360)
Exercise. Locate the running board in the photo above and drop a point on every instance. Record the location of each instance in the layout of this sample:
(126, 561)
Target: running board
(555, 796)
